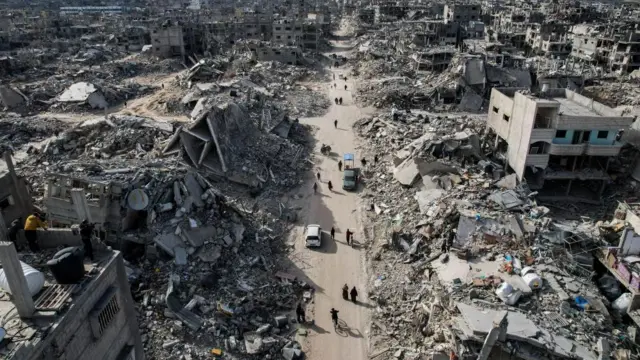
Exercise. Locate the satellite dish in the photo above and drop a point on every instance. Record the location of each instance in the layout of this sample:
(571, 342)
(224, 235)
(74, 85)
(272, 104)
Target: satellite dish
(138, 199)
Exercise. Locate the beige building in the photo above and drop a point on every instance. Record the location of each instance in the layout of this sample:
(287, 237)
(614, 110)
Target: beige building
(558, 137)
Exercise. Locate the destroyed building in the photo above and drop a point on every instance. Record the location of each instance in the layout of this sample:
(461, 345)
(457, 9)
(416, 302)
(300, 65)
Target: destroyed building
(556, 139)
(167, 41)
(87, 314)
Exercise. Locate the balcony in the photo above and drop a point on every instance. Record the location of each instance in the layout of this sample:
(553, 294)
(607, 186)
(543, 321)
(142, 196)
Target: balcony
(567, 149)
(542, 135)
(604, 150)
(538, 160)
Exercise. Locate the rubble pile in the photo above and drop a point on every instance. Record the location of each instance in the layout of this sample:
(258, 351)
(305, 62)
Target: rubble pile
(456, 239)
(223, 288)
(615, 93)
(304, 102)
(377, 68)
(19, 131)
(279, 146)
(43, 94)
(401, 91)
(217, 81)
(98, 148)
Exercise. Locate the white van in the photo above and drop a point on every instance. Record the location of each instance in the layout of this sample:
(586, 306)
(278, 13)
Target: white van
(313, 236)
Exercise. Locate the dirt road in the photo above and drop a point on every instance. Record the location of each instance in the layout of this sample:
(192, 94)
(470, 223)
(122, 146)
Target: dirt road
(336, 263)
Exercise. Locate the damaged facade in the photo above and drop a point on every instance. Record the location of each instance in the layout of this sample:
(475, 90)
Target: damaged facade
(570, 138)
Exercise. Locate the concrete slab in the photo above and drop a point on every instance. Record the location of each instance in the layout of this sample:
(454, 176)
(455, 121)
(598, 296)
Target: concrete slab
(168, 242)
(520, 328)
(508, 199)
(508, 182)
(407, 173)
(238, 232)
(426, 198)
(180, 255)
(194, 188)
(210, 255)
(196, 237)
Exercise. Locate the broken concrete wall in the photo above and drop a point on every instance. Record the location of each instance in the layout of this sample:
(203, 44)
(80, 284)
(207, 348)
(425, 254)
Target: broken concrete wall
(12, 98)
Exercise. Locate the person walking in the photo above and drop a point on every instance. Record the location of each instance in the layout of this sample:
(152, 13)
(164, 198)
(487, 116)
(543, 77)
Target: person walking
(13, 230)
(86, 232)
(345, 86)
(345, 292)
(330, 186)
(335, 124)
(318, 175)
(334, 317)
(333, 233)
(334, 85)
(315, 188)
(348, 237)
(30, 230)
(300, 314)
(375, 159)
(354, 294)
(334, 76)
(363, 161)
(339, 165)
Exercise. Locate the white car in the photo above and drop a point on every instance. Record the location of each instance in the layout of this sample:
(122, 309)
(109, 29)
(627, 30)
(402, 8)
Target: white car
(313, 236)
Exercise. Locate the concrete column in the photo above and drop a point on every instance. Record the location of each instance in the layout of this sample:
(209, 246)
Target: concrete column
(80, 204)
(20, 294)
(602, 187)
(22, 202)
(3, 227)
(129, 308)
(569, 187)
(498, 331)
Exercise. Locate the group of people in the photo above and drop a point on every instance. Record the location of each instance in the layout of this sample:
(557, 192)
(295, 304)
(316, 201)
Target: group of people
(349, 234)
(315, 186)
(346, 293)
(36, 221)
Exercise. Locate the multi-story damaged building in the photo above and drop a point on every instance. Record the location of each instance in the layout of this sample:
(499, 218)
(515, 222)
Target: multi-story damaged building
(265, 51)
(548, 39)
(462, 13)
(93, 317)
(559, 141)
(617, 51)
(168, 41)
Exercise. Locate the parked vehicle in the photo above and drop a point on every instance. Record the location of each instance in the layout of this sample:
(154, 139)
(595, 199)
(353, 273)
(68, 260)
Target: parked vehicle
(313, 236)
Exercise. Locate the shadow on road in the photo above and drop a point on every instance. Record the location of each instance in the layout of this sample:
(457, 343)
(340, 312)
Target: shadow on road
(328, 245)
(342, 329)
(314, 327)
(365, 304)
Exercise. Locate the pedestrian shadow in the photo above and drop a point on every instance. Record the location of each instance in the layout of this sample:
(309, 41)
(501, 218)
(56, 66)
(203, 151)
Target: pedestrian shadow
(354, 333)
(365, 304)
(356, 244)
(337, 192)
(317, 329)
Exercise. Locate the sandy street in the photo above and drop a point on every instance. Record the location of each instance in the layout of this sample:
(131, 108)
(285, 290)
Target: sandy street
(336, 263)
